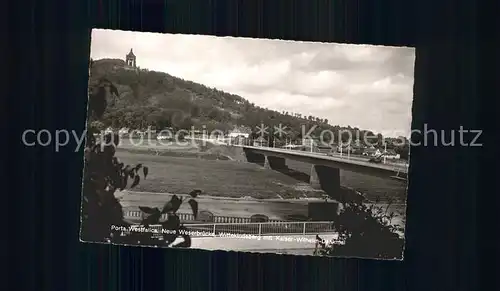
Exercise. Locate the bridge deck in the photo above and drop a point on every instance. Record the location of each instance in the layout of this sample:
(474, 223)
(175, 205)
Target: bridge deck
(355, 164)
(322, 156)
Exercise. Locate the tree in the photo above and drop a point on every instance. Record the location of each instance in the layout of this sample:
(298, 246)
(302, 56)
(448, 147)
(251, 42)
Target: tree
(98, 97)
(254, 134)
(97, 125)
(380, 140)
(213, 114)
(154, 118)
(104, 174)
(186, 123)
(403, 151)
(195, 111)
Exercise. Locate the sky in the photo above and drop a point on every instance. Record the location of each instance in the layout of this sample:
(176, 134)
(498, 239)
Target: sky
(369, 87)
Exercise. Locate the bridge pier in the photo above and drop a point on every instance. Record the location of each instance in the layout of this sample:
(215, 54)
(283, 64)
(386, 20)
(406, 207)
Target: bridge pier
(255, 158)
(314, 179)
(275, 163)
(327, 179)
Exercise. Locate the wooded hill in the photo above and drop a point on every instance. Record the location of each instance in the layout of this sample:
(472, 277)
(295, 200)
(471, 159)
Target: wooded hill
(149, 98)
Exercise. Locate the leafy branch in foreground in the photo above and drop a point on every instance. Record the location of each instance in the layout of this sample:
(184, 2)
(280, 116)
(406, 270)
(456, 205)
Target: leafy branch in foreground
(104, 174)
(171, 228)
(364, 231)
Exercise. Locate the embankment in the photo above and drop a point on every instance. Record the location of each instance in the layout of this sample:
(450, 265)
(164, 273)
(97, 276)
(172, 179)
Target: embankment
(232, 153)
(206, 153)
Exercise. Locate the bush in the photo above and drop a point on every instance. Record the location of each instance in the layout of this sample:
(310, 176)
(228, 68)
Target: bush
(364, 231)
(102, 213)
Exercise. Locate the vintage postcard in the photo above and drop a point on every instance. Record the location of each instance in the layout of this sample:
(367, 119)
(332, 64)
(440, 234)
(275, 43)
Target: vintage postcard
(252, 145)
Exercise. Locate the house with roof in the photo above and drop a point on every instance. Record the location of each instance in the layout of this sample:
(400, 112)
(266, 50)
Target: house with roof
(311, 144)
(351, 149)
(124, 131)
(371, 152)
(308, 141)
(239, 132)
(260, 142)
(108, 130)
(239, 135)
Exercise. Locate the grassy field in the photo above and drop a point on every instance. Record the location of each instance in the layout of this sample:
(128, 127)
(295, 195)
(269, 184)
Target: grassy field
(215, 177)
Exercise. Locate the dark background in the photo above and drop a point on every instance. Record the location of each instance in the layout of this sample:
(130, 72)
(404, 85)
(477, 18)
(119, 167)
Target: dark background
(47, 55)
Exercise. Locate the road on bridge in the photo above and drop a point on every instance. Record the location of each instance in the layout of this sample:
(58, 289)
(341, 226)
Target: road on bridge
(403, 167)
(319, 156)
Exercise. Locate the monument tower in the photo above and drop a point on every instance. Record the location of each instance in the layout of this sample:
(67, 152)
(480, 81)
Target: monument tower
(130, 59)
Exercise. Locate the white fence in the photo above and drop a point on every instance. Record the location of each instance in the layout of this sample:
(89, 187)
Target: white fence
(257, 229)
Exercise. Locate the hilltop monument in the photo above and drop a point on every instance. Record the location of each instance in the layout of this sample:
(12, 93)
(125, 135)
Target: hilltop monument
(130, 59)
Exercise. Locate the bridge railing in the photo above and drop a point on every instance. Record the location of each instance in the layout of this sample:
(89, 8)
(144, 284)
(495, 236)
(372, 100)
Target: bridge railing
(240, 229)
(257, 229)
(397, 165)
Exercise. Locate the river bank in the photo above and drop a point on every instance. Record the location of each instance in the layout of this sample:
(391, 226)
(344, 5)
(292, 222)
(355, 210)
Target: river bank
(279, 209)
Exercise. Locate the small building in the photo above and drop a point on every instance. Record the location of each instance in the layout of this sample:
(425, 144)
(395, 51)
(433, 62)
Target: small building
(311, 144)
(236, 134)
(371, 152)
(260, 142)
(259, 218)
(350, 149)
(239, 132)
(138, 133)
(108, 130)
(124, 130)
(238, 140)
(310, 141)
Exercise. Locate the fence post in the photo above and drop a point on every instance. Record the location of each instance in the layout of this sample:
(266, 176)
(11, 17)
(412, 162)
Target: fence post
(214, 230)
(260, 229)
(304, 229)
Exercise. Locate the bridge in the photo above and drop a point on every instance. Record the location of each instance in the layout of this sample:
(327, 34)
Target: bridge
(325, 169)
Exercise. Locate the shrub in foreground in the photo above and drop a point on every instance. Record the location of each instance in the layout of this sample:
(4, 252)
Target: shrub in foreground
(364, 231)
(104, 174)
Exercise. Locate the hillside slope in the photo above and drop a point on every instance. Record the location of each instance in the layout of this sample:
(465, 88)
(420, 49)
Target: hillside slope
(149, 98)
(159, 99)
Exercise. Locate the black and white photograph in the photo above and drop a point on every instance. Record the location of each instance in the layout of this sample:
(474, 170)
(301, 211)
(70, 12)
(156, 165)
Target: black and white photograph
(249, 145)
